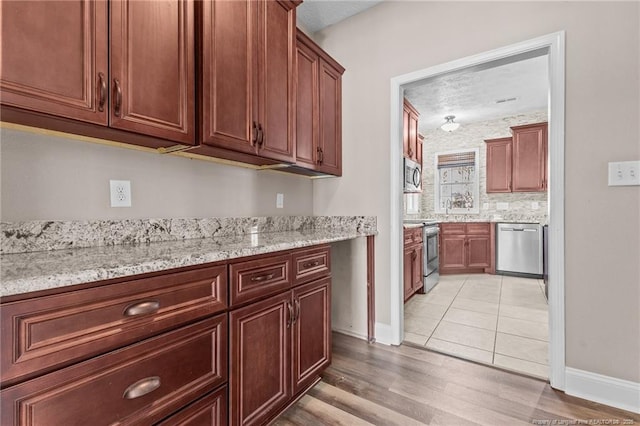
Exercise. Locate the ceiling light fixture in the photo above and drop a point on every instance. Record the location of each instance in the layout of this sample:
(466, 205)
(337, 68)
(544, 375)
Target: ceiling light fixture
(450, 125)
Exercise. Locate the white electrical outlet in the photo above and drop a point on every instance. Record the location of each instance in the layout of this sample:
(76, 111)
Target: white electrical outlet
(624, 173)
(120, 193)
(279, 201)
(535, 205)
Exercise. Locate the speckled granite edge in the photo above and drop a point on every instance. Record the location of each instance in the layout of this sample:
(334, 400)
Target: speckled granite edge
(28, 272)
(33, 236)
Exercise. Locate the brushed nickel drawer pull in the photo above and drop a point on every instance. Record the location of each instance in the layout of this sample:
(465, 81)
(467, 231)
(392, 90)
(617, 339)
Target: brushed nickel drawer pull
(311, 264)
(297, 305)
(291, 317)
(141, 308)
(118, 102)
(142, 387)
(103, 92)
(263, 277)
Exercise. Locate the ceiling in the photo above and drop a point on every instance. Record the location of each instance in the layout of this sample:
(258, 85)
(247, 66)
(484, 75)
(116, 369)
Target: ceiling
(318, 14)
(494, 91)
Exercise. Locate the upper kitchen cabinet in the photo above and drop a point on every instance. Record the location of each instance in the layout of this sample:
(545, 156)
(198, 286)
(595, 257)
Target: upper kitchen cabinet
(247, 97)
(152, 68)
(498, 165)
(410, 140)
(318, 109)
(530, 158)
(55, 56)
(518, 163)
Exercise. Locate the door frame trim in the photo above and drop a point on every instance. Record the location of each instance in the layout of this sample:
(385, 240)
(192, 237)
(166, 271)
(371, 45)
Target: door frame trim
(554, 47)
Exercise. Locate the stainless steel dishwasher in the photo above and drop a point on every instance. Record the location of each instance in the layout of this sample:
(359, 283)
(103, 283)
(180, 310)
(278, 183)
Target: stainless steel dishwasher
(519, 249)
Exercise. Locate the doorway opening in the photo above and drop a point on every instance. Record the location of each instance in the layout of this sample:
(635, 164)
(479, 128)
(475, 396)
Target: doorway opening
(550, 50)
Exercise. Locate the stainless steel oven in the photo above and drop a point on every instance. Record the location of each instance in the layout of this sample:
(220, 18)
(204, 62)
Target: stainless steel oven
(430, 236)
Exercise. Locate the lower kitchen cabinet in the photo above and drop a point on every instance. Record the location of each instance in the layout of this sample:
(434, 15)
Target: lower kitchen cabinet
(210, 410)
(413, 265)
(466, 248)
(139, 384)
(278, 347)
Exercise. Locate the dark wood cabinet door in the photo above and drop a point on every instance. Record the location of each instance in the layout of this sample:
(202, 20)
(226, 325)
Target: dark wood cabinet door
(408, 272)
(416, 270)
(54, 58)
(529, 158)
(479, 251)
(210, 410)
(228, 75)
(311, 332)
(405, 132)
(330, 120)
(276, 100)
(152, 68)
(307, 107)
(452, 252)
(413, 135)
(498, 165)
(260, 350)
(419, 147)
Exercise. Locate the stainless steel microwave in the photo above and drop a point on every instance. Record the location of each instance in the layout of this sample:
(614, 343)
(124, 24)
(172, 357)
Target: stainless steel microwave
(412, 176)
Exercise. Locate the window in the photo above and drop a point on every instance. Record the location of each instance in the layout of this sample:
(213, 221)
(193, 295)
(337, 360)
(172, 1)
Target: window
(457, 182)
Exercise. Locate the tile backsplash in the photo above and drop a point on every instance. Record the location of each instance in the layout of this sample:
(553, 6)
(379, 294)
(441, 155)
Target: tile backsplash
(516, 206)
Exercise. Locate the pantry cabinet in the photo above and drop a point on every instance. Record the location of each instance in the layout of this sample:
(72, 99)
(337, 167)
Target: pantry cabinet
(247, 75)
(518, 163)
(138, 75)
(466, 247)
(318, 109)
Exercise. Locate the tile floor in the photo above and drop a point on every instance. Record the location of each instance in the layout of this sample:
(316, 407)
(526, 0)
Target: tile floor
(492, 319)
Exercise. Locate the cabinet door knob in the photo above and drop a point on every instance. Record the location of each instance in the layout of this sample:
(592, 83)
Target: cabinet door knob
(141, 308)
(291, 318)
(260, 135)
(102, 94)
(142, 387)
(118, 103)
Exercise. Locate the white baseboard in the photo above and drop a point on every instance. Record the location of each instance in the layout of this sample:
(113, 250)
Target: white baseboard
(350, 333)
(606, 390)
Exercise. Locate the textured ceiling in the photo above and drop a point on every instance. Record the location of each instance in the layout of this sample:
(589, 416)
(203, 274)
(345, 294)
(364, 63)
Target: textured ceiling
(472, 95)
(318, 14)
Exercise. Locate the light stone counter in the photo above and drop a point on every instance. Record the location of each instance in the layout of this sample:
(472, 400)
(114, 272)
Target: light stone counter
(42, 270)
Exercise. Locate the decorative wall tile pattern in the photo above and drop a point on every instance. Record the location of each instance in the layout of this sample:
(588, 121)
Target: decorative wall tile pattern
(472, 136)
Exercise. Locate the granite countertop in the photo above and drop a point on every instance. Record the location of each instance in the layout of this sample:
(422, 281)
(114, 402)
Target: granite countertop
(43, 270)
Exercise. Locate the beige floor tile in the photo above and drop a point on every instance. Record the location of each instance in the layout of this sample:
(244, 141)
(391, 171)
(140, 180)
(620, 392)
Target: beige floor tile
(440, 299)
(522, 348)
(465, 335)
(475, 305)
(486, 283)
(462, 351)
(529, 314)
(480, 294)
(530, 329)
(537, 302)
(428, 310)
(417, 339)
(420, 325)
(471, 318)
(522, 366)
(449, 290)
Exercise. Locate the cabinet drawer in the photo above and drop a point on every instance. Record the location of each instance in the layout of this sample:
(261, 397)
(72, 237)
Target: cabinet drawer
(139, 384)
(417, 235)
(408, 236)
(478, 228)
(44, 333)
(210, 410)
(311, 264)
(257, 278)
(453, 228)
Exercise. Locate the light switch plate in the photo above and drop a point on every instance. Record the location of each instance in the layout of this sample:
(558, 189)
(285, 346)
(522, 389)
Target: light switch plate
(535, 205)
(624, 173)
(279, 201)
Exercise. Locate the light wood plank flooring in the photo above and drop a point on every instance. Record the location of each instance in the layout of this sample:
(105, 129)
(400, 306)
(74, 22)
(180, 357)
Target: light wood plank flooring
(386, 385)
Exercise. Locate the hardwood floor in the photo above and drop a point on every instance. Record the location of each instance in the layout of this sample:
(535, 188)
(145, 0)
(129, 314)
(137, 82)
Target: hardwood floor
(384, 385)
